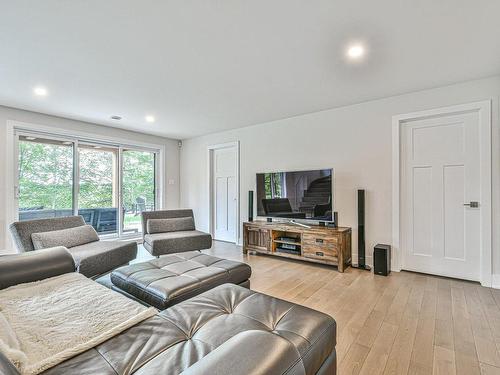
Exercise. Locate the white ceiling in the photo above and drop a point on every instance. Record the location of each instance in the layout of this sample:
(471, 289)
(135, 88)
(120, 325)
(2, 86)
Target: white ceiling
(206, 66)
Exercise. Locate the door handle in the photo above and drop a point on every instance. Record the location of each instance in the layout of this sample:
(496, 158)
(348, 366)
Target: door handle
(472, 204)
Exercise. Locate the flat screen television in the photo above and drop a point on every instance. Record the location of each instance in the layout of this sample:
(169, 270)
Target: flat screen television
(297, 195)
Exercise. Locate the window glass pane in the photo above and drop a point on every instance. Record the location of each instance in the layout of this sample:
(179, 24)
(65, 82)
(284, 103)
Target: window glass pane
(45, 178)
(98, 187)
(46, 185)
(138, 187)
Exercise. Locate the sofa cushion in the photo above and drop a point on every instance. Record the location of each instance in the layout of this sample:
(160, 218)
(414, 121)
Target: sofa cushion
(173, 278)
(69, 237)
(176, 242)
(227, 330)
(162, 214)
(99, 257)
(21, 230)
(170, 225)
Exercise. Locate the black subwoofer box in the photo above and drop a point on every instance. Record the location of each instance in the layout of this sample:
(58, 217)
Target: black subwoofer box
(382, 260)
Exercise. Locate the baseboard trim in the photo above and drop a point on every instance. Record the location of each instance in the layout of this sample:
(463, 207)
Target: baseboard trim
(495, 281)
(368, 259)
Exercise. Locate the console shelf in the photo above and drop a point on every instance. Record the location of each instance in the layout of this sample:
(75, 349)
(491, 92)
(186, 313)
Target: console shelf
(317, 244)
(287, 242)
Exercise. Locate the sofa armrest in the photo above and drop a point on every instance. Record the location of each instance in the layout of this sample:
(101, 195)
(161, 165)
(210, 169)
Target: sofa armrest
(257, 346)
(34, 265)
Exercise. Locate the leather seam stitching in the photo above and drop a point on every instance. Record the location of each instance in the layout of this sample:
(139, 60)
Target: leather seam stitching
(105, 360)
(145, 291)
(280, 319)
(192, 290)
(306, 353)
(158, 353)
(222, 312)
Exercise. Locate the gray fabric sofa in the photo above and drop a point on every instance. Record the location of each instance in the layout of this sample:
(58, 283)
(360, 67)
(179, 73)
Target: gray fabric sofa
(92, 256)
(173, 241)
(226, 330)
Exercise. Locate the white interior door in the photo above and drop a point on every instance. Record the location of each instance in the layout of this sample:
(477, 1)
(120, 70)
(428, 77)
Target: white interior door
(440, 183)
(225, 193)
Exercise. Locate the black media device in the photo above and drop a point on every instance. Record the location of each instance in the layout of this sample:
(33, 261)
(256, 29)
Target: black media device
(361, 232)
(382, 260)
(288, 251)
(250, 205)
(289, 239)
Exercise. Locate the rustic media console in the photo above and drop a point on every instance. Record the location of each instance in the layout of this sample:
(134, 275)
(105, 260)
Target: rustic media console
(317, 244)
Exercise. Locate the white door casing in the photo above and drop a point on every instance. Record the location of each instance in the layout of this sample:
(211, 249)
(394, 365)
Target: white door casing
(224, 192)
(443, 162)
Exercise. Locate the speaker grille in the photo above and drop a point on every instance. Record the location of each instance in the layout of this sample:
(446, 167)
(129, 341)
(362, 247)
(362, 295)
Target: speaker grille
(250, 205)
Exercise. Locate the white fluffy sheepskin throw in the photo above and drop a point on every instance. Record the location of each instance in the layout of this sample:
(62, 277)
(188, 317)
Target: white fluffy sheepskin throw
(46, 322)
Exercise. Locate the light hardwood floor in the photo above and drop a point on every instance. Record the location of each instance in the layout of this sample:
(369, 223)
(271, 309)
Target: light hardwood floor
(406, 323)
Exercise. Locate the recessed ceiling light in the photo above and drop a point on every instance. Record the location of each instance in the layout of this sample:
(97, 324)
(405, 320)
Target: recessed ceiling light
(40, 91)
(116, 117)
(355, 51)
(150, 118)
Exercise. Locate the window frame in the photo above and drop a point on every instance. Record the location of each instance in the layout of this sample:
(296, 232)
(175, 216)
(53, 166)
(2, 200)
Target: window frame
(17, 129)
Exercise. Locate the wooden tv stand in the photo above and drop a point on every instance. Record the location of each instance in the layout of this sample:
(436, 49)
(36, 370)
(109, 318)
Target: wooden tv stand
(319, 244)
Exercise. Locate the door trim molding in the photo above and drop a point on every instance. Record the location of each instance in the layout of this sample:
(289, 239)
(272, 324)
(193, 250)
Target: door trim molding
(483, 108)
(211, 210)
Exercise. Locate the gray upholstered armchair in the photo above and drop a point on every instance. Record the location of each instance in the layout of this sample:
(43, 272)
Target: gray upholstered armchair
(172, 231)
(92, 256)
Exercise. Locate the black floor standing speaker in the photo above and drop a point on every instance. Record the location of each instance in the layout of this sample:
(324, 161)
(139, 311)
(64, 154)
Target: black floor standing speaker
(382, 260)
(250, 205)
(361, 232)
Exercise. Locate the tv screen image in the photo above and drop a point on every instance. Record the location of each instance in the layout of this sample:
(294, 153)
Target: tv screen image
(300, 195)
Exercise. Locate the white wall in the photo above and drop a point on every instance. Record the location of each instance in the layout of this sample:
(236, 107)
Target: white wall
(170, 193)
(355, 140)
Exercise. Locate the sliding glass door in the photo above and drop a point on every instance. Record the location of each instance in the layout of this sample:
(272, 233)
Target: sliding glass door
(98, 187)
(45, 178)
(138, 186)
(58, 177)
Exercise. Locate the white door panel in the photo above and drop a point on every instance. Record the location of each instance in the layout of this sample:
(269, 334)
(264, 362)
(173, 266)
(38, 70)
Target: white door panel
(225, 193)
(220, 204)
(440, 173)
(454, 198)
(422, 213)
(231, 205)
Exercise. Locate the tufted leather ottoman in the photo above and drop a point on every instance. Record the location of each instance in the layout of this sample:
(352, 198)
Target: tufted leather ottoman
(227, 330)
(173, 278)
